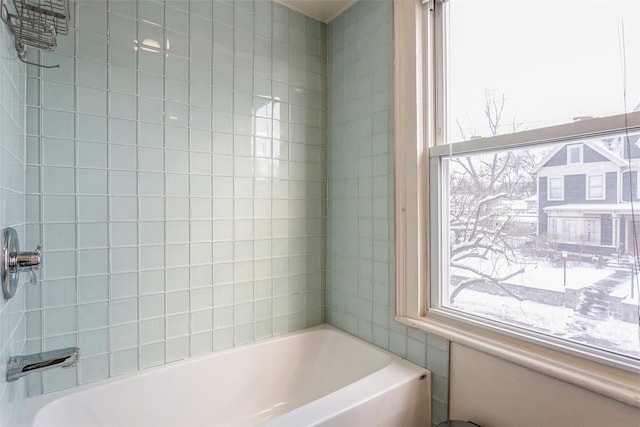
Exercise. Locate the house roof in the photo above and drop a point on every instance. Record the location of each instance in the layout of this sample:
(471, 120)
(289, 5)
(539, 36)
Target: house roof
(624, 146)
(593, 144)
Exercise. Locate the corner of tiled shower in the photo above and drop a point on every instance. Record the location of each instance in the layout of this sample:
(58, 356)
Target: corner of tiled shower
(195, 200)
(361, 213)
(12, 212)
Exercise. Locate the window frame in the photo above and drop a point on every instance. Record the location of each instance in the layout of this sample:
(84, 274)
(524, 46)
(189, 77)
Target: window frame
(416, 46)
(555, 199)
(569, 230)
(596, 223)
(588, 195)
(580, 148)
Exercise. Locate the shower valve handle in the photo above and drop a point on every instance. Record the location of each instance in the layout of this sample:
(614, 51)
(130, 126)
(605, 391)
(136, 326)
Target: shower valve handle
(25, 261)
(12, 262)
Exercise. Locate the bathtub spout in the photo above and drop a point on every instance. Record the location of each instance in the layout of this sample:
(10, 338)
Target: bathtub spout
(19, 366)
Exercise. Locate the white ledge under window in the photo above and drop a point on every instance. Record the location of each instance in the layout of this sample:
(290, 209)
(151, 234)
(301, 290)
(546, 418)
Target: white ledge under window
(413, 131)
(611, 382)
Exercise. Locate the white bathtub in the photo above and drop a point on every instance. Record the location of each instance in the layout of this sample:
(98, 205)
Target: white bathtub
(317, 377)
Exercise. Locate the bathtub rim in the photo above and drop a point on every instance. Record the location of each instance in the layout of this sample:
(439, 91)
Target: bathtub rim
(32, 405)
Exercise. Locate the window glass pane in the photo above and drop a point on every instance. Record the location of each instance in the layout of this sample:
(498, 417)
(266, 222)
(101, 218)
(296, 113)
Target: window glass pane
(520, 65)
(555, 188)
(575, 154)
(560, 267)
(591, 229)
(596, 187)
(569, 230)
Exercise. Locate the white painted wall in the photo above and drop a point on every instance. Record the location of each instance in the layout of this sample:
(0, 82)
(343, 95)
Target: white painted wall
(495, 393)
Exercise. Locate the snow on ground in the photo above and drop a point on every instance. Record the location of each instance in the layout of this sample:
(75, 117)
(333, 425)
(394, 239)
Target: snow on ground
(612, 335)
(609, 334)
(624, 291)
(540, 274)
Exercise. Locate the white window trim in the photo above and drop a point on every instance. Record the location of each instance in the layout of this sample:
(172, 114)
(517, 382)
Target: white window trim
(414, 130)
(604, 187)
(549, 198)
(580, 159)
(597, 230)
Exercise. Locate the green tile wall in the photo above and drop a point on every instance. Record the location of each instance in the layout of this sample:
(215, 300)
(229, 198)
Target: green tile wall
(177, 180)
(12, 213)
(360, 213)
(177, 175)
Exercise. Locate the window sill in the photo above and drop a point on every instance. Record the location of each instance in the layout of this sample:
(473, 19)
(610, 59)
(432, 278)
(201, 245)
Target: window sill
(608, 381)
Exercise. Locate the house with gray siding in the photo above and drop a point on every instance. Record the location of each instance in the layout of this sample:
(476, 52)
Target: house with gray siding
(585, 194)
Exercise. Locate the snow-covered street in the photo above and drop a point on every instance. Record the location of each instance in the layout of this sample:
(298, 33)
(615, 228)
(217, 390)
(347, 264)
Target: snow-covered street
(599, 330)
(612, 334)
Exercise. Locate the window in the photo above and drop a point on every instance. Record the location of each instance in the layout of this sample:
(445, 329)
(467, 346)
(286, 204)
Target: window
(508, 119)
(574, 153)
(486, 275)
(555, 191)
(595, 187)
(591, 230)
(569, 230)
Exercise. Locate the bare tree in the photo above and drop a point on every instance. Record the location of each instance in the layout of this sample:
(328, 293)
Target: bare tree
(493, 110)
(481, 228)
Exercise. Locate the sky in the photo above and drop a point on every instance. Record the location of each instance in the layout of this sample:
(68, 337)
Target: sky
(552, 60)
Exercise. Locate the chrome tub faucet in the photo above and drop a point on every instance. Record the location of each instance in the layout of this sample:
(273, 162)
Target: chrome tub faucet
(19, 366)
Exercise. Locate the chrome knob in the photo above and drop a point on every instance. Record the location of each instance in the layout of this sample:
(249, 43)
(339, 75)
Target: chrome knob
(25, 261)
(12, 262)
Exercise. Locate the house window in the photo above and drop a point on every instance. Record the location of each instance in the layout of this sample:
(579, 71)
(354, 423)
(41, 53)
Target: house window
(574, 153)
(470, 269)
(569, 230)
(590, 234)
(556, 188)
(595, 187)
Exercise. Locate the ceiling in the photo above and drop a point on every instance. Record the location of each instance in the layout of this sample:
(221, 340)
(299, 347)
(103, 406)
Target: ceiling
(322, 10)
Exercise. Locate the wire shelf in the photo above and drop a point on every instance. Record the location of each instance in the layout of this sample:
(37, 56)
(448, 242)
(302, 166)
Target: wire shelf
(50, 12)
(36, 23)
(31, 32)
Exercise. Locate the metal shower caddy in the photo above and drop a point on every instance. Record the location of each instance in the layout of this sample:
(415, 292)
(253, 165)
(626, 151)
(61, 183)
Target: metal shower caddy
(36, 23)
